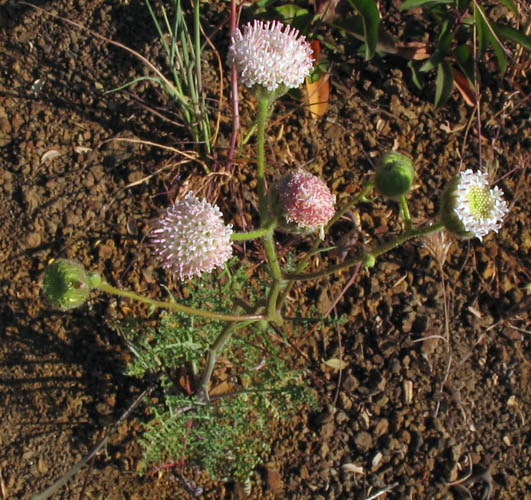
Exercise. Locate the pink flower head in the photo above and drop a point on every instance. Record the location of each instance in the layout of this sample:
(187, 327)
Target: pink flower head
(270, 55)
(190, 238)
(305, 200)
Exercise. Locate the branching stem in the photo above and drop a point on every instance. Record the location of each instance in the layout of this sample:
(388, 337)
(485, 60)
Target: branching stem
(401, 238)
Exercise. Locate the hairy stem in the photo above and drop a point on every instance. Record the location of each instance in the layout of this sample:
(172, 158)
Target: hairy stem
(213, 353)
(405, 212)
(105, 287)
(251, 235)
(263, 104)
(376, 252)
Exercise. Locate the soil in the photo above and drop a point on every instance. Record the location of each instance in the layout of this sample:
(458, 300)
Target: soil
(408, 414)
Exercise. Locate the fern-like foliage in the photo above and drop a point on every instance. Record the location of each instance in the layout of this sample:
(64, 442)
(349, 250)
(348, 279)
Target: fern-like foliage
(227, 436)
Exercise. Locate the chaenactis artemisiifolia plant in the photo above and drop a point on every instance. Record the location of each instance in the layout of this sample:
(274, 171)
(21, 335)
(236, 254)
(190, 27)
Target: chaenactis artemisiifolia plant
(222, 427)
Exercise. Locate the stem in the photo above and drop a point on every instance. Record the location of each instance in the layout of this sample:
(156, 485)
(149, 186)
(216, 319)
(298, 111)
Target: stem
(274, 291)
(105, 287)
(213, 354)
(263, 104)
(272, 301)
(251, 235)
(405, 212)
(406, 235)
(366, 188)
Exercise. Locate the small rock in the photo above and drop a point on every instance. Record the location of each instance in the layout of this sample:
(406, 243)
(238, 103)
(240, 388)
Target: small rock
(364, 441)
(381, 427)
(33, 240)
(274, 480)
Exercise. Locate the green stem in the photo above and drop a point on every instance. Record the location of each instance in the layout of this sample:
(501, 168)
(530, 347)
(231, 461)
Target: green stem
(251, 235)
(105, 287)
(405, 212)
(213, 354)
(406, 235)
(263, 104)
(274, 291)
(366, 188)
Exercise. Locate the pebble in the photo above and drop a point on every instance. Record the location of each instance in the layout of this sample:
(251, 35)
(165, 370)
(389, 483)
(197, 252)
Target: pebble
(364, 441)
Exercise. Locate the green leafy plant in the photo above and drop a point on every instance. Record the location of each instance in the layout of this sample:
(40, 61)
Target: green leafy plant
(239, 320)
(182, 48)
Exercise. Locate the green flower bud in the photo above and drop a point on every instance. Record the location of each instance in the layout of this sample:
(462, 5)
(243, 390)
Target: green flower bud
(448, 215)
(67, 285)
(369, 261)
(394, 175)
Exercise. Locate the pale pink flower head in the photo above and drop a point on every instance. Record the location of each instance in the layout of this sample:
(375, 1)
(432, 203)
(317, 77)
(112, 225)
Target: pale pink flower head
(305, 200)
(190, 238)
(271, 55)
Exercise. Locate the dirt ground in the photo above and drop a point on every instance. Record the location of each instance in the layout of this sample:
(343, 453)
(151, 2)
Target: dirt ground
(408, 415)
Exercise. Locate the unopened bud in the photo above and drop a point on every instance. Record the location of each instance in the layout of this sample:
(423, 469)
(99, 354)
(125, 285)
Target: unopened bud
(394, 175)
(67, 285)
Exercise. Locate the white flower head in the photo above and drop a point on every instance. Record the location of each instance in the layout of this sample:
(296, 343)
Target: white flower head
(479, 208)
(190, 238)
(270, 55)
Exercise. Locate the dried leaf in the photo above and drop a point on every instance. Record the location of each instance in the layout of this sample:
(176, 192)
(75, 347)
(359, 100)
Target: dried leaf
(357, 469)
(318, 90)
(318, 95)
(50, 155)
(464, 88)
(336, 364)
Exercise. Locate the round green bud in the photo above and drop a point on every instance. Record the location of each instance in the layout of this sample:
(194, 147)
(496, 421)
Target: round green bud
(67, 285)
(448, 215)
(394, 175)
(369, 261)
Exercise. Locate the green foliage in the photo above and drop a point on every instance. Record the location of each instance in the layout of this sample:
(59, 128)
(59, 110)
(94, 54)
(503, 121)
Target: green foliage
(226, 436)
(456, 21)
(370, 20)
(183, 53)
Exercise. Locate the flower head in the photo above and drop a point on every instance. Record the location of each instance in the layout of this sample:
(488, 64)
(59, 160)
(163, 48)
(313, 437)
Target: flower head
(190, 238)
(270, 55)
(470, 207)
(305, 200)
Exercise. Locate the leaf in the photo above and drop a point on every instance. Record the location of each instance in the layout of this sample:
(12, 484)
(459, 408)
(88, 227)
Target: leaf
(463, 86)
(504, 31)
(418, 78)
(481, 30)
(371, 20)
(464, 58)
(336, 364)
(511, 6)
(296, 16)
(318, 84)
(50, 155)
(444, 83)
(486, 35)
(413, 4)
(318, 95)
